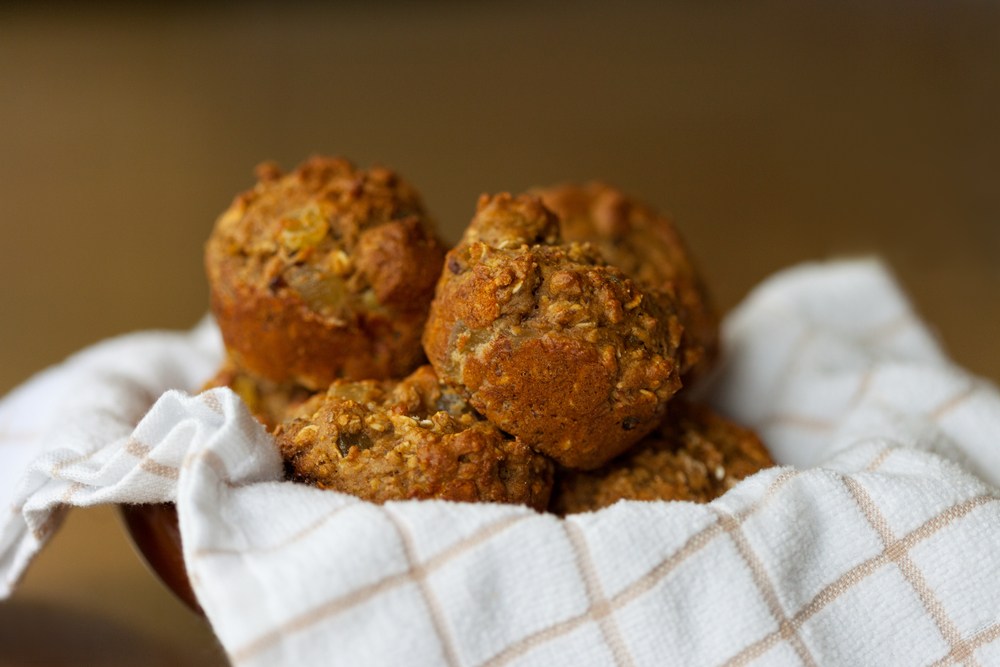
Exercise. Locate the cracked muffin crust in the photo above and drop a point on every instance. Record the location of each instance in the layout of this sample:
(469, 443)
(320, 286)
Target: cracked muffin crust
(323, 273)
(647, 247)
(415, 438)
(547, 340)
(694, 455)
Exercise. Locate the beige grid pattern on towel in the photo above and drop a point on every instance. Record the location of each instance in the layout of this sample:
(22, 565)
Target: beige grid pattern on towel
(614, 621)
(878, 547)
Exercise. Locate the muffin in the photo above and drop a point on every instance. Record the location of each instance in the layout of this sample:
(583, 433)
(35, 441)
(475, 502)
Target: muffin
(694, 455)
(647, 247)
(324, 273)
(547, 340)
(415, 438)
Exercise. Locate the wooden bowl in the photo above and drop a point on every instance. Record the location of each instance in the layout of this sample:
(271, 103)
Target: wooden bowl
(154, 532)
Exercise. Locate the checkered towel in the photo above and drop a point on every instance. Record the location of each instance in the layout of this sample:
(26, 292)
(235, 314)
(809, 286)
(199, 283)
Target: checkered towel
(877, 543)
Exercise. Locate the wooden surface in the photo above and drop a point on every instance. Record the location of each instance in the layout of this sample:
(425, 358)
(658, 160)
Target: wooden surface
(775, 135)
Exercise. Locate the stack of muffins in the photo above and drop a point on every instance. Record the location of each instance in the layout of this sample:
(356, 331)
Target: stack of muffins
(541, 361)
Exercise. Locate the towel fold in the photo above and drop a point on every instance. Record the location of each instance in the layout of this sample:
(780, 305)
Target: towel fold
(875, 542)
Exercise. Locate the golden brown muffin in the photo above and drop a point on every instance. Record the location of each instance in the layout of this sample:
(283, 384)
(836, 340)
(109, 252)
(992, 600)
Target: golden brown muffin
(324, 273)
(415, 438)
(694, 455)
(648, 248)
(547, 340)
(268, 401)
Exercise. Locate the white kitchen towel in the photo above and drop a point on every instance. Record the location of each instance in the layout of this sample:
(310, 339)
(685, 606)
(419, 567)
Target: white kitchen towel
(877, 543)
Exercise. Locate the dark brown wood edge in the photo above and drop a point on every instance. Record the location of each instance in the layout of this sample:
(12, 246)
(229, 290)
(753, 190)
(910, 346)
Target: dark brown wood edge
(155, 535)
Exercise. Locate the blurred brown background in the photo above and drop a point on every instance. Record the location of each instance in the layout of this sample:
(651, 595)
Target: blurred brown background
(775, 132)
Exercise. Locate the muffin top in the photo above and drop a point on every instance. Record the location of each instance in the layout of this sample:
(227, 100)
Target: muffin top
(648, 248)
(694, 455)
(342, 238)
(415, 438)
(548, 340)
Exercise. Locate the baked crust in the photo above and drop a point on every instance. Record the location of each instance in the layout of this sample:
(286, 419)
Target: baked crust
(547, 340)
(415, 438)
(694, 455)
(648, 248)
(324, 273)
